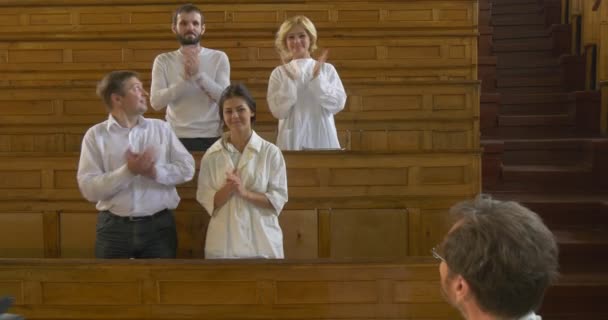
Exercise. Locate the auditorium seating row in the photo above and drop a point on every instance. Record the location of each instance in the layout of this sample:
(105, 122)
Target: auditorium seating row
(342, 205)
(379, 116)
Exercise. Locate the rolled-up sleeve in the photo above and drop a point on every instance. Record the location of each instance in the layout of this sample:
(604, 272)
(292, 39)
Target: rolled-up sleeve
(277, 182)
(205, 193)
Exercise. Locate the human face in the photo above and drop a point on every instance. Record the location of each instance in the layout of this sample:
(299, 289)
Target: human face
(188, 28)
(298, 42)
(237, 114)
(134, 100)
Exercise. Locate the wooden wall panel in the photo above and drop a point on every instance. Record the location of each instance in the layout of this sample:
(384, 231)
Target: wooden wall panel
(300, 234)
(77, 234)
(75, 293)
(416, 292)
(325, 292)
(369, 233)
(195, 292)
(21, 235)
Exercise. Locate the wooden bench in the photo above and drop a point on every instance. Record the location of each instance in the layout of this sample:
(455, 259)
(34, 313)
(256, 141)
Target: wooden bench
(379, 116)
(164, 289)
(341, 204)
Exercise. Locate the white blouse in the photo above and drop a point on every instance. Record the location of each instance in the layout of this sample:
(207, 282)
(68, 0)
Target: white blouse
(240, 229)
(305, 106)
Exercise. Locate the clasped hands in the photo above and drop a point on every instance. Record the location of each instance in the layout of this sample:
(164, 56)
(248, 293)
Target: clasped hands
(234, 183)
(142, 163)
(191, 61)
(192, 65)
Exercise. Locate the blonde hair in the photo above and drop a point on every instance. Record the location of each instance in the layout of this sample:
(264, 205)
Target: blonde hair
(289, 24)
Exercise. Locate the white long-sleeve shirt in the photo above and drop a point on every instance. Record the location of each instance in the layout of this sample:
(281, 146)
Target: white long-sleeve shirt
(305, 106)
(191, 104)
(239, 228)
(103, 176)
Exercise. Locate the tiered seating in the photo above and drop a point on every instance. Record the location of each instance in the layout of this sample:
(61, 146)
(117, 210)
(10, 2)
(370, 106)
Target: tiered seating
(410, 127)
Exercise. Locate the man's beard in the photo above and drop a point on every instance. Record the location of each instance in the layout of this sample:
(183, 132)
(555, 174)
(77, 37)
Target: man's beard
(185, 41)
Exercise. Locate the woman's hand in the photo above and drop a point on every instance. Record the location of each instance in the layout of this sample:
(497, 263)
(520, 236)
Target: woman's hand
(319, 64)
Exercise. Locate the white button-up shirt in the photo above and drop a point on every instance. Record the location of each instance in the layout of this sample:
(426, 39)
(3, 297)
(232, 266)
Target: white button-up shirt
(103, 176)
(239, 228)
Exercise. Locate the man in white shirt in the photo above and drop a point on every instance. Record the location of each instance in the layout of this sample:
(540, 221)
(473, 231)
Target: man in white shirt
(129, 166)
(497, 260)
(189, 82)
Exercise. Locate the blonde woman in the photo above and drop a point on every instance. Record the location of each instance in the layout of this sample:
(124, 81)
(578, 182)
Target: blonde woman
(304, 93)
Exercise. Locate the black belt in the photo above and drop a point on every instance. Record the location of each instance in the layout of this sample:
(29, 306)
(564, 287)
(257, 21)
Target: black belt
(138, 218)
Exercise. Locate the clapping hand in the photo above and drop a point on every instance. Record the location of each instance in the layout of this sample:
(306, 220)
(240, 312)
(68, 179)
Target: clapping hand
(142, 163)
(191, 61)
(292, 69)
(319, 64)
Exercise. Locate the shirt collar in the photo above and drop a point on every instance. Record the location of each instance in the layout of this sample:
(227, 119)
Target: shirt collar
(255, 143)
(141, 122)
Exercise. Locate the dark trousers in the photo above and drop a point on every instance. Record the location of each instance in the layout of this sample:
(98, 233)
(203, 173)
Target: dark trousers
(145, 237)
(198, 144)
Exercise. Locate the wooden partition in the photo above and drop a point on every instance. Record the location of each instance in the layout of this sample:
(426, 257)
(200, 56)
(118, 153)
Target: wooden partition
(77, 289)
(379, 116)
(341, 205)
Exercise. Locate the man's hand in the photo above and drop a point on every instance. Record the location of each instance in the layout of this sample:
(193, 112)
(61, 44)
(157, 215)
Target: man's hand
(191, 61)
(142, 163)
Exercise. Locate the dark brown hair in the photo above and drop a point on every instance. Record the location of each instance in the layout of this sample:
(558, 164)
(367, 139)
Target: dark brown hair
(237, 90)
(187, 8)
(113, 82)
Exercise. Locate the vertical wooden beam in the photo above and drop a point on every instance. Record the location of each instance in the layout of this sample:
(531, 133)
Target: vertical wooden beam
(51, 234)
(324, 233)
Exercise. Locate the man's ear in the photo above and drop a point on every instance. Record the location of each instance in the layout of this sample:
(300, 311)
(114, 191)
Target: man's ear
(116, 99)
(460, 288)
(202, 29)
(173, 28)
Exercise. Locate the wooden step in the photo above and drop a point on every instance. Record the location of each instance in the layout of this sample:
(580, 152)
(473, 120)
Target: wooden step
(510, 99)
(583, 248)
(554, 108)
(513, 2)
(518, 19)
(566, 152)
(537, 132)
(575, 214)
(519, 32)
(526, 44)
(548, 70)
(577, 296)
(546, 178)
(511, 8)
(535, 81)
(526, 59)
(535, 120)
